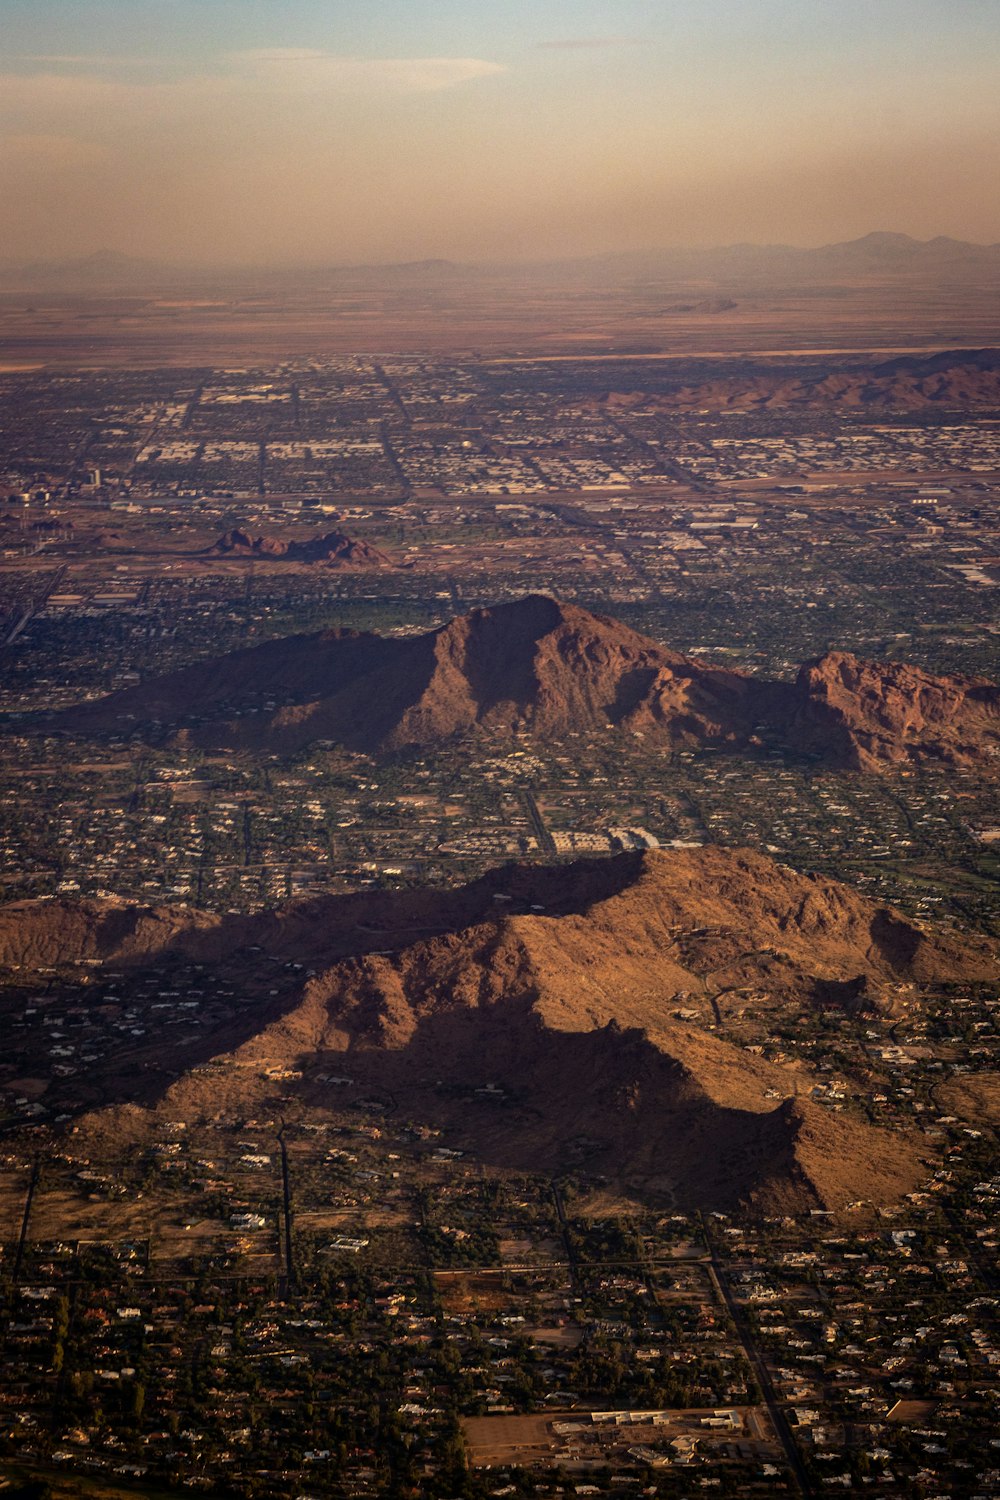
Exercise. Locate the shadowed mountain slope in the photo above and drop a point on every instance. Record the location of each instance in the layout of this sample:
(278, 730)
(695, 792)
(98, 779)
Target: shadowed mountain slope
(548, 668)
(959, 379)
(333, 550)
(594, 1019)
(870, 714)
(536, 665)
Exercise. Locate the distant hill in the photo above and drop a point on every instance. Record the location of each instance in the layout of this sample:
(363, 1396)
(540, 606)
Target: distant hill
(546, 668)
(959, 379)
(583, 999)
(879, 255)
(105, 270)
(109, 271)
(332, 550)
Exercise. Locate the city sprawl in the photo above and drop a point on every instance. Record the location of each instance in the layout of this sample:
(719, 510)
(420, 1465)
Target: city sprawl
(324, 1292)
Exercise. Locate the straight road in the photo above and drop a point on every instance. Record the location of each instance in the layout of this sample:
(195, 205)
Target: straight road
(288, 1280)
(545, 840)
(778, 1419)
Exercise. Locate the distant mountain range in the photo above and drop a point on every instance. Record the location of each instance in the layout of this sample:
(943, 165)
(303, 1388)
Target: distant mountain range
(956, 379)
(880, 254)
(547, 669)
(105, 269)
(109, 271)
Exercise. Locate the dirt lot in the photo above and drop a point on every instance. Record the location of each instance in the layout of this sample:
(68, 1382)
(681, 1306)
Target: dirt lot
(572, 1435)
(567, 1337)
(519, 1250)
(376, 1217)
(13, 1189)
(59, 1214)
(472, 1291)
(506, 1440)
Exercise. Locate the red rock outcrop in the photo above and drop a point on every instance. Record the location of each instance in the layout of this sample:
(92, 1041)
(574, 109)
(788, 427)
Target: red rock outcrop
(334, 550)
(596, 1017)
(544, 668)
(868, 715)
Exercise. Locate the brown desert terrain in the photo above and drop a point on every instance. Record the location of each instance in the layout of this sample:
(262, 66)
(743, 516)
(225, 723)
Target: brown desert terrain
(578, 1001)
(547, 668)
(333, 550)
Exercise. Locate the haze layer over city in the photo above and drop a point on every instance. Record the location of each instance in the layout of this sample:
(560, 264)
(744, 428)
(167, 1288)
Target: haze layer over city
(499, 749)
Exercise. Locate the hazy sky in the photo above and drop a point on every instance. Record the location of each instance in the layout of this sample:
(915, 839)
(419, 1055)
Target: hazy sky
(348, 130)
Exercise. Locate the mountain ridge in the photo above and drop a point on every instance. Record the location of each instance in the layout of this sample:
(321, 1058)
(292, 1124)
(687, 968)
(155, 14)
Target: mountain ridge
(888, 251)
(596, 1018)
(958, 378)
(545, 668)
(333, 549)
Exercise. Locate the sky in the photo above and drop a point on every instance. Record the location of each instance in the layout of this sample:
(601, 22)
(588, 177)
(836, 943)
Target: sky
(348, 131)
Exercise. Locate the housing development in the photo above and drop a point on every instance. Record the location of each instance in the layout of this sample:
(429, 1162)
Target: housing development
(261, 1239)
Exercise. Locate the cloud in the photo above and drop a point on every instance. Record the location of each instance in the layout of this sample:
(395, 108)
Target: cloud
(307, 69)
(588, 43)
(94, 104)
(85, 60)
(279, 55)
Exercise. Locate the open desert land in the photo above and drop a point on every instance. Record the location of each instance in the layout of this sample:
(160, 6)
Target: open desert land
(506, 320)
